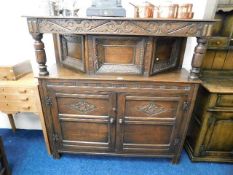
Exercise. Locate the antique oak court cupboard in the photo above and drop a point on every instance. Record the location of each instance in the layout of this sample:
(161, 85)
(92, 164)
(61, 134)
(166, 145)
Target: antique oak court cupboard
(118, 87)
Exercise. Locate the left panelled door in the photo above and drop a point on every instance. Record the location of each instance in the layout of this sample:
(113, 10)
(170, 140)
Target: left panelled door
(84, 121)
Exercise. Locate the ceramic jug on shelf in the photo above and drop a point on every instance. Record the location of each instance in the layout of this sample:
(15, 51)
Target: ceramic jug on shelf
(144, 10)
(167, 10)
(185, 11)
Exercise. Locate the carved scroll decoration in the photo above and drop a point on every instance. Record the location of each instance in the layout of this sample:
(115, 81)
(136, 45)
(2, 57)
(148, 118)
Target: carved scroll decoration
(151, 109)
(121, 27)
(83, 107)
(82, 84)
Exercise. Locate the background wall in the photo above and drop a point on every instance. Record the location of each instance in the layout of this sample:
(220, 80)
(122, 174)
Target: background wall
(17, 44)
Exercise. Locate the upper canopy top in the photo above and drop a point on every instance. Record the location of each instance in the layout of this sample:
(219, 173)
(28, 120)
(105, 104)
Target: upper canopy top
(120, 26)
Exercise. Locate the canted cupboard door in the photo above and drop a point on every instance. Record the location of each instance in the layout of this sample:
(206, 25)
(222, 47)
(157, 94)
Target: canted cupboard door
(148, 123)
(167, 52)
(84, 121)
(72, 52)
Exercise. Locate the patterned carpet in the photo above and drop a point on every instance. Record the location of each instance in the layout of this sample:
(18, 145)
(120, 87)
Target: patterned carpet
(27, 156)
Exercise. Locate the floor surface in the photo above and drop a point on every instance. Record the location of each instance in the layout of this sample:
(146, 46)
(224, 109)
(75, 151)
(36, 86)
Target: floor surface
(27, 155)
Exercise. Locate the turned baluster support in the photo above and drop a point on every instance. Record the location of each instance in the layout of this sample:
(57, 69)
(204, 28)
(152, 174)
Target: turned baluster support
(40, 53)
(199, 53)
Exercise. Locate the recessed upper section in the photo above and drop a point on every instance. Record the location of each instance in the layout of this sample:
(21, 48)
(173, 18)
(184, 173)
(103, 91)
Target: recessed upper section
(120, 26)
(128, 46)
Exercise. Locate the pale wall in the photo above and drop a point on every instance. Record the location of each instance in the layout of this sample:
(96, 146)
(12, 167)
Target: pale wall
(17, 44)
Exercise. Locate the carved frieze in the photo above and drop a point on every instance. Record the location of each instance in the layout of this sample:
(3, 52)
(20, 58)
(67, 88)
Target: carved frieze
(135, 85)
(129, 69)
(119, 26)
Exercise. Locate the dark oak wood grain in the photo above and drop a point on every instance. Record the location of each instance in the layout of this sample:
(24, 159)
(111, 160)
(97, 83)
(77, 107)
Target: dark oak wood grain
(126, 93)
(130, 117)
(120, 26)
(210, 133)
(40, 53)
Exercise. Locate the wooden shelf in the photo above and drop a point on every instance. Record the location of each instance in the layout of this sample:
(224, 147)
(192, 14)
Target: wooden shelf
(219, 86)
(59, 72)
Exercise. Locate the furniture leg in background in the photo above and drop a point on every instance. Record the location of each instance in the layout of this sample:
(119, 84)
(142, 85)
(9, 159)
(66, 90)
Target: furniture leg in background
(22, 95)
(4, 167)
(40, 114)
(12, 122)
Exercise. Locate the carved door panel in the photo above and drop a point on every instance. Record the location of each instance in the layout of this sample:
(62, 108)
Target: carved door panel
(117, 55)
(219, 138)
(149, 123)
(167, 54)
(84, 121)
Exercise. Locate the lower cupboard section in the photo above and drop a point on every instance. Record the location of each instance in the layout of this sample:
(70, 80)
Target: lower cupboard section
(131, 121)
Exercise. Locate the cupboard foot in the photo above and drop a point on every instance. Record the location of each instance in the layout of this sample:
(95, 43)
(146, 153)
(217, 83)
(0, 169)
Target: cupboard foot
(56, 156)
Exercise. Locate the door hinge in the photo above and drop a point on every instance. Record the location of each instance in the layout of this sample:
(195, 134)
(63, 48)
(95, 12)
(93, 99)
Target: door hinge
(211, 120)
(48, 101)
(186, 106)
(57, 141)
(55, 137)
(176, 141)
(202, 150)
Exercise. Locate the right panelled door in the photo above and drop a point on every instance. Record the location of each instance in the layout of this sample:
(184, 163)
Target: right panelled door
(218, 140)
(149, 123)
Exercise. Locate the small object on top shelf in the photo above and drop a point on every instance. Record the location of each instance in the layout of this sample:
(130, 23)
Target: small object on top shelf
(53, 8)
(112, 8)
(16, 71)
(63, 7)
(163, 10)
(144, 10)
(168, 11)
(185, 11)
(69, 8)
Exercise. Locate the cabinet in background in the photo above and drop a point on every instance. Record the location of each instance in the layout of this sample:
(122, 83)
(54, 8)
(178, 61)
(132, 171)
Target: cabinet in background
(210, 135)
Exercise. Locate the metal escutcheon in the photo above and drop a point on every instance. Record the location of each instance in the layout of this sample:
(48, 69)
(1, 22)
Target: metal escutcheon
(120, 121)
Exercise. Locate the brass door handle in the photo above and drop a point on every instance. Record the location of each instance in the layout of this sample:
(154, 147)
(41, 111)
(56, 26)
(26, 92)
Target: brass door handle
(5, 77)
(23, 91)
(24, 99)
(111, 120)
(114, 109)
(26, 107)
(120, 121)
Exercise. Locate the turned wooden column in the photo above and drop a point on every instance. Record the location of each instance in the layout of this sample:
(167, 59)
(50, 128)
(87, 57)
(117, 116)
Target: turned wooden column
(40, 53)
(199, 53)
